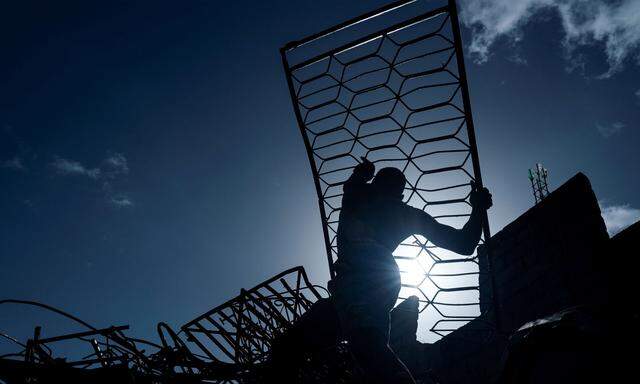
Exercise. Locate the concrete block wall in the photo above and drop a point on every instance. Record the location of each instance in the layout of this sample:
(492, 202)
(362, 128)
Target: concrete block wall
(554, 256)
(621, 268)
(550, 258)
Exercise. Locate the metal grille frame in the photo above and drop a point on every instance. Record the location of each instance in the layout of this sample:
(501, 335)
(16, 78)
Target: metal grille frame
(398, 97)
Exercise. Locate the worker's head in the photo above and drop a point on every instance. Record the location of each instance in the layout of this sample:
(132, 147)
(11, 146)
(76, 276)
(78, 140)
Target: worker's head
(389, 182)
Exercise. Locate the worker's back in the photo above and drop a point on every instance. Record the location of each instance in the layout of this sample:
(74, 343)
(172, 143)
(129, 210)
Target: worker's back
(371, 226)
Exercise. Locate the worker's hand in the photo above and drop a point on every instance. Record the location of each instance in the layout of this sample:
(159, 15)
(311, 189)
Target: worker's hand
(480, 197)
(366, 169)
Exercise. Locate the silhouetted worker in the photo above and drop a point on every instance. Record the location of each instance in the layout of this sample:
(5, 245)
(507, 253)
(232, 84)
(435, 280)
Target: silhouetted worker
(373, 222)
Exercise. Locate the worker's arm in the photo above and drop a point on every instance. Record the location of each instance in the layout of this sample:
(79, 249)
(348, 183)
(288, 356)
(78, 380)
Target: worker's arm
(464, 240)
(362, 173)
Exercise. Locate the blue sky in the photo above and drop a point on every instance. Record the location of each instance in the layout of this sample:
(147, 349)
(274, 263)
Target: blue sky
(151, 163)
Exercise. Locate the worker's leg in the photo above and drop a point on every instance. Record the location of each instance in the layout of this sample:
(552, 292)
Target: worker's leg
(376, 359)
(364, 317)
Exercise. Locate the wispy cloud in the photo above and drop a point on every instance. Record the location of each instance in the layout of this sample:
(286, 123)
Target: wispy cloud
(613, 25)
(115, 165)
(121, 201)
(111, 168)
(618, 217)
(15, 163)
(638, 96)
(116, 199)
(608, 130)
(73, 168)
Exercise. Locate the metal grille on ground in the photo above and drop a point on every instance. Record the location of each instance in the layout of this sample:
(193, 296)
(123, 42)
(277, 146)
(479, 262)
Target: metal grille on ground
(226, 345)
(242, 329)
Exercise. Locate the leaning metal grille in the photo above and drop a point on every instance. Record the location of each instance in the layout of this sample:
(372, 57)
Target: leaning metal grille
(241, 330)
(397, 97)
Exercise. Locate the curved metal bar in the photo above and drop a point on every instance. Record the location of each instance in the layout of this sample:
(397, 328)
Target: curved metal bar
(49, 308)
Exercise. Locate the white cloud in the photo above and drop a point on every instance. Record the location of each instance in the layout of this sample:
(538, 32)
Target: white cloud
(618, 217)
(115, 165)
(15, 163)
(71, 167)
(491, 19)
(111, 168)
(611, 129)
(614, 25)
(121, 201)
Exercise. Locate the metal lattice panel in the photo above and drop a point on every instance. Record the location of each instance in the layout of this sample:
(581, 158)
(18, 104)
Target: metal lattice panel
(399, 98)
(242, 329)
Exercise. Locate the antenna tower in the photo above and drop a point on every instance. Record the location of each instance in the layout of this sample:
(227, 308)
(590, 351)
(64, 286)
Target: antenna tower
(539, 185)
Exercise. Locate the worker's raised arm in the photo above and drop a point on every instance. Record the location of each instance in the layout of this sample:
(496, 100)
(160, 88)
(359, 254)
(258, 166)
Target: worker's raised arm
(362, 173)
(464, 240)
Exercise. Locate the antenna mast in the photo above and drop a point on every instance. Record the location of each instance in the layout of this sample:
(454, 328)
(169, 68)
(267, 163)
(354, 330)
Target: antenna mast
(539, 185)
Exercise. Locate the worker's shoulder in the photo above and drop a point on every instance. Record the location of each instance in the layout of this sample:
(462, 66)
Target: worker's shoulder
(409, 210)
(406, 205)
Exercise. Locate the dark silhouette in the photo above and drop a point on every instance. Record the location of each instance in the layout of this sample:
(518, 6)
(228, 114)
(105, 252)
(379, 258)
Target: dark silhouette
(283, 331)
(373, 222)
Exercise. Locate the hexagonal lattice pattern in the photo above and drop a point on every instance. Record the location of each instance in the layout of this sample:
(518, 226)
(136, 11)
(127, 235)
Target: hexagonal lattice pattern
(396, 98)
